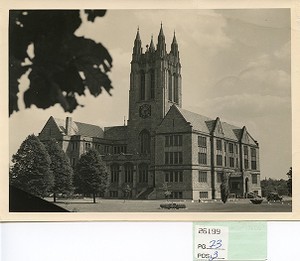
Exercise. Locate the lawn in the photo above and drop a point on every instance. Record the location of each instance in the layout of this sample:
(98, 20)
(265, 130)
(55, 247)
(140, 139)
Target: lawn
(118, 205)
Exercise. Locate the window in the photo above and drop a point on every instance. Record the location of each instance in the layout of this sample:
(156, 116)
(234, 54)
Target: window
(219, 160)
(176, 194)
(202, 158)
(203, 194)
(173, 157)
(114, 171)
(253, 158)
(106, 149)
(236, 148)
(143, 87)
(175, 78)
(152, 84)
(128, 173)
(170, 86)
(246, 164)
(225, 161)
(144, 142)
(177, 140)
(87, 146)
(245, 150)
(230, 147)
(219, 177)
(231, 162)
(202, 176)
(173, 140)
(225, 146)
(173, 176)
(113, 194)
(143, 173)
(219, 144)
(202, 141)
(237, 163)
(254, 178)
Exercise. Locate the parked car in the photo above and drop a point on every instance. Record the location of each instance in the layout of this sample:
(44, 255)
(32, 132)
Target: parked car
(173, 205)
(273, 196)
(252, 194)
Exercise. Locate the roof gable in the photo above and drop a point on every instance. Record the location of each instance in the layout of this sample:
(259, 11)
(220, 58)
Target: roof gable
(246, 138)
(80, 128)
(174, 121)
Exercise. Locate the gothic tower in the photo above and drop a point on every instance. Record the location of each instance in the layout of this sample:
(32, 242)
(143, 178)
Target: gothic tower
(155, 85)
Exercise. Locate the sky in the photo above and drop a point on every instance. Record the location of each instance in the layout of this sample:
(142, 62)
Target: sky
(236, 65)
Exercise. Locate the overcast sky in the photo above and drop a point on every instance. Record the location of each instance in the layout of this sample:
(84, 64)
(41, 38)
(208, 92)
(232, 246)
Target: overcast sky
(235, 65)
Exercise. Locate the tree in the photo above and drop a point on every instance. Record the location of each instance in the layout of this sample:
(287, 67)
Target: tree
(91, 176)
(225, 188)
(31, 167)
(289, 181)
(61, 169)
(62, 64)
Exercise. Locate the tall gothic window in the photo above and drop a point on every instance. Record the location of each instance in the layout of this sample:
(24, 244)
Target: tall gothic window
(170, 87)
(128, 172)
(143, 173)
(175, 78)
(152, 84)
(114, 173)
(145, 142)
(143, 86)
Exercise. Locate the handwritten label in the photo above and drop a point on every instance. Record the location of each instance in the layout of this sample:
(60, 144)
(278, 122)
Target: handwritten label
(210, 243)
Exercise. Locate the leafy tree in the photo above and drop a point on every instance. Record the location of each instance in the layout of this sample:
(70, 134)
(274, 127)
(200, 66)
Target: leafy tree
(31, 167)
(61, 169)
(274, 185)
(62, 64)
(91, 176)
(289, 181)
(224, 188)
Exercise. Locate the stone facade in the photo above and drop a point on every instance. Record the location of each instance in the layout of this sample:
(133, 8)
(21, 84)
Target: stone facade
(163, 144)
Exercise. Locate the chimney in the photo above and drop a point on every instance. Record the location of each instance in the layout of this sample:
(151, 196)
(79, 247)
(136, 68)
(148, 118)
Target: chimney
(68, 125)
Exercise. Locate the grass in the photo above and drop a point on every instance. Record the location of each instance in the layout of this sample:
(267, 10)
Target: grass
(118, 205)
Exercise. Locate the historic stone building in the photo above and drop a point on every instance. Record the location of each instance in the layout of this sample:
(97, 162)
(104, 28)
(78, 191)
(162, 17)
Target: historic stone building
(163, 143)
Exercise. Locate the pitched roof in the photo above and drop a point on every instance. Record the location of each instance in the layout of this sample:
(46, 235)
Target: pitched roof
(115, 132)
(196, 120)
(80, 128)
(204, 124)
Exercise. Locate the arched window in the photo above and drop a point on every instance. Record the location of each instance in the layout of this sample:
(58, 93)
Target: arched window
(152, 84)
(114, 173)
(145, 142)
(143, 173)
(128, 172)
(143, 87)
(170, 86)
(175, 79)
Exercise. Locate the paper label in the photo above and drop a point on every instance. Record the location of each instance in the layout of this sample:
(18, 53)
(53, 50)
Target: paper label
(211, 243)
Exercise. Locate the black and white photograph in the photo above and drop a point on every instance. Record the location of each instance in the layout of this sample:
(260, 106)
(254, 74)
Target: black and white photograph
(150, 111)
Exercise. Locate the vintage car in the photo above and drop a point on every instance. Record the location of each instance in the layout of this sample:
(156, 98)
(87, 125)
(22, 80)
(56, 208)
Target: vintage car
(273, 196)
(173, 205)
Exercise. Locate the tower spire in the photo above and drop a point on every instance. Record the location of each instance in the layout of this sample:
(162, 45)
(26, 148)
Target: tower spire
(137, 48)
(174, 46)
(151, 48)
(161, 45)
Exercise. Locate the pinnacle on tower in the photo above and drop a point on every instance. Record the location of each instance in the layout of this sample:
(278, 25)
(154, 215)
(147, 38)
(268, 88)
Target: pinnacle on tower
(152, 48)
(174, 46)
(137, 48)
(161, 45)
